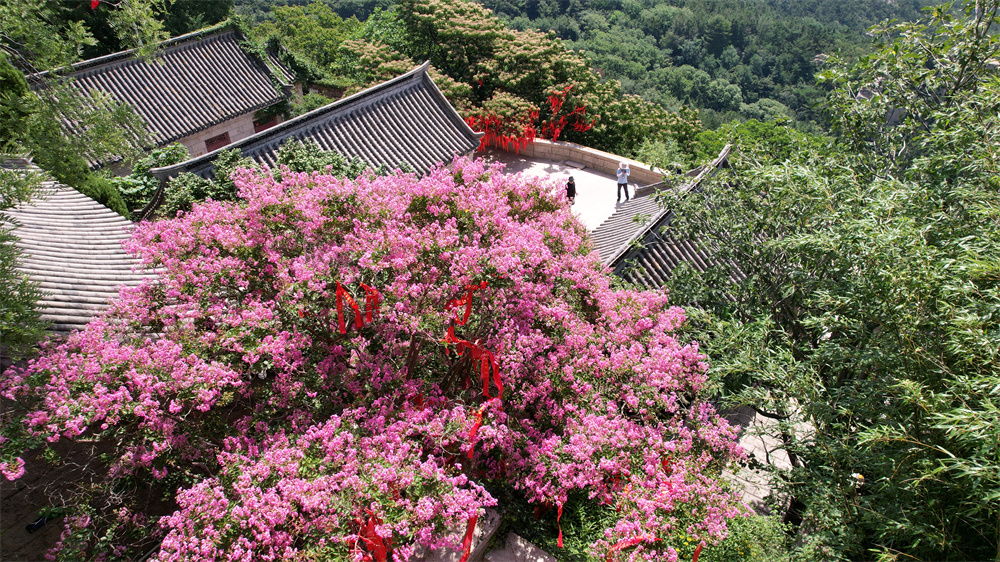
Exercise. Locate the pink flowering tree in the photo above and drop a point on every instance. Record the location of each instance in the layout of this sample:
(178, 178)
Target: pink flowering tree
(330, 369)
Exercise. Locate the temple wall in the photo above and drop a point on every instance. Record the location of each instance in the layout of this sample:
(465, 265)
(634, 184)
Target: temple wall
(239, 128)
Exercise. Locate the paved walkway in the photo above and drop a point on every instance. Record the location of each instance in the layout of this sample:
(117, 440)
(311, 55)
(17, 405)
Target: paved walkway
(595, 191)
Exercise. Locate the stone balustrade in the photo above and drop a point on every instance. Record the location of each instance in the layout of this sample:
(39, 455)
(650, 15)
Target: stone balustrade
(582, 156)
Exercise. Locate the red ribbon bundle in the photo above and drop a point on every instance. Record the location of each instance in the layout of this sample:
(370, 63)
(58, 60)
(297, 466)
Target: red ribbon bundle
(466, 300)
(636, 540)
(467, 542)
(372, 301)
(484, 358)
(378, 547)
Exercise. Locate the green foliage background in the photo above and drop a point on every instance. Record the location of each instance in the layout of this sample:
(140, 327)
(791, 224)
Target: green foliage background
(863, 312)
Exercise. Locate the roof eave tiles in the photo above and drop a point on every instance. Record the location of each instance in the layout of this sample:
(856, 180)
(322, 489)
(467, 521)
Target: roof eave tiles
(71, 247)
(638, 251)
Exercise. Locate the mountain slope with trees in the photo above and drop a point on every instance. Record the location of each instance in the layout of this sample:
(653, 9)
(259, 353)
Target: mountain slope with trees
(730, 59)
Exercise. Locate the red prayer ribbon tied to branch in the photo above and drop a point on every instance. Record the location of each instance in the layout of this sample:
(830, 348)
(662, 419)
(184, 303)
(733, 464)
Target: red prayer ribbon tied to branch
(475, 429)
(466, 300)
(627, 543)
(477, 424)
(378, 548)
(467, 542)
(559, 543)
(484, 358)
(372, 300)
(516, 132)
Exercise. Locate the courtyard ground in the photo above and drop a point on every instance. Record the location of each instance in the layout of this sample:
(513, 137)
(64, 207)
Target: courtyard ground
(595, 191)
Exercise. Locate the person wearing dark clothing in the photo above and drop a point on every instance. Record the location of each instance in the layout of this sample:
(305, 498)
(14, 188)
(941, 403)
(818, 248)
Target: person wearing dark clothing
(571, 190)
(623, 173)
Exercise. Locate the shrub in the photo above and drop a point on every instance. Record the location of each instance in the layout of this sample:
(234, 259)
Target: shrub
(484, 343)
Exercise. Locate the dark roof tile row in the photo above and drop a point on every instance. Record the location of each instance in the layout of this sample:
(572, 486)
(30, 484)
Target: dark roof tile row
(632, 241)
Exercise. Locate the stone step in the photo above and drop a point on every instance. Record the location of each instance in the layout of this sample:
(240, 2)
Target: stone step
(518, 549)
(486, 527)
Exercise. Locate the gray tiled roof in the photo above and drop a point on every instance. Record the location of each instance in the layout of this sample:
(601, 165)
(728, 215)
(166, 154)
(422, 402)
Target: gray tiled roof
(196, 81)
(71, 246)
(404, 120)
(615, 234)
(631, 240)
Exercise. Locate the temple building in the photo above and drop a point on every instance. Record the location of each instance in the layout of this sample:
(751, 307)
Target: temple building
(204, 90)
(406, 120)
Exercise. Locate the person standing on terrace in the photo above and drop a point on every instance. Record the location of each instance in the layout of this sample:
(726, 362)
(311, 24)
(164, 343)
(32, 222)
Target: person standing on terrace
(623, 173)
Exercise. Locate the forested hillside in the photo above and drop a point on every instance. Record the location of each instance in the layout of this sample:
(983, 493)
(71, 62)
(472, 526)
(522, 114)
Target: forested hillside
(514, 85)
(731, 59)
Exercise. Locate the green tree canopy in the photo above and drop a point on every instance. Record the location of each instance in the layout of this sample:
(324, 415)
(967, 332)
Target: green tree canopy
(862, 315)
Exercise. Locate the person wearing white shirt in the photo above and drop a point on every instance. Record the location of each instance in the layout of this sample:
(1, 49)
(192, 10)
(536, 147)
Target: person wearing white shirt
(623, 172)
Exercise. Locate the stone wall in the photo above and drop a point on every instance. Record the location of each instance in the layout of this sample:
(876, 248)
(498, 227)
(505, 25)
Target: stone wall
(594, 159)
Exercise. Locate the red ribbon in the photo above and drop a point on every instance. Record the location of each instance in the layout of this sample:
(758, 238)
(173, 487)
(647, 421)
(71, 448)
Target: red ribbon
(359, 320)
(558, 524)
(378, 547)
(475, 429)
(94, 4)
(640, 539)
(466, 300)
(697, 553)
(372, 300)
(467, 542)
(485, 358)
(340, 309)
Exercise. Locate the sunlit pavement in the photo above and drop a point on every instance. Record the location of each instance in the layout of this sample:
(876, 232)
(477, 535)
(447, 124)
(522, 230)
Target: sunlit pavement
(595, 191)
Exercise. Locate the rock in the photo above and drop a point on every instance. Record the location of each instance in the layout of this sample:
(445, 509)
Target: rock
(517, 549)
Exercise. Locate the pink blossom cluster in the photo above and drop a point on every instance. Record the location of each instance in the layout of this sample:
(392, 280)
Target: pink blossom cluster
(297, 441)
(306, 496)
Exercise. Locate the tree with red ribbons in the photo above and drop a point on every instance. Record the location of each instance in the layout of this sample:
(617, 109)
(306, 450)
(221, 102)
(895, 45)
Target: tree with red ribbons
(282, 418)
